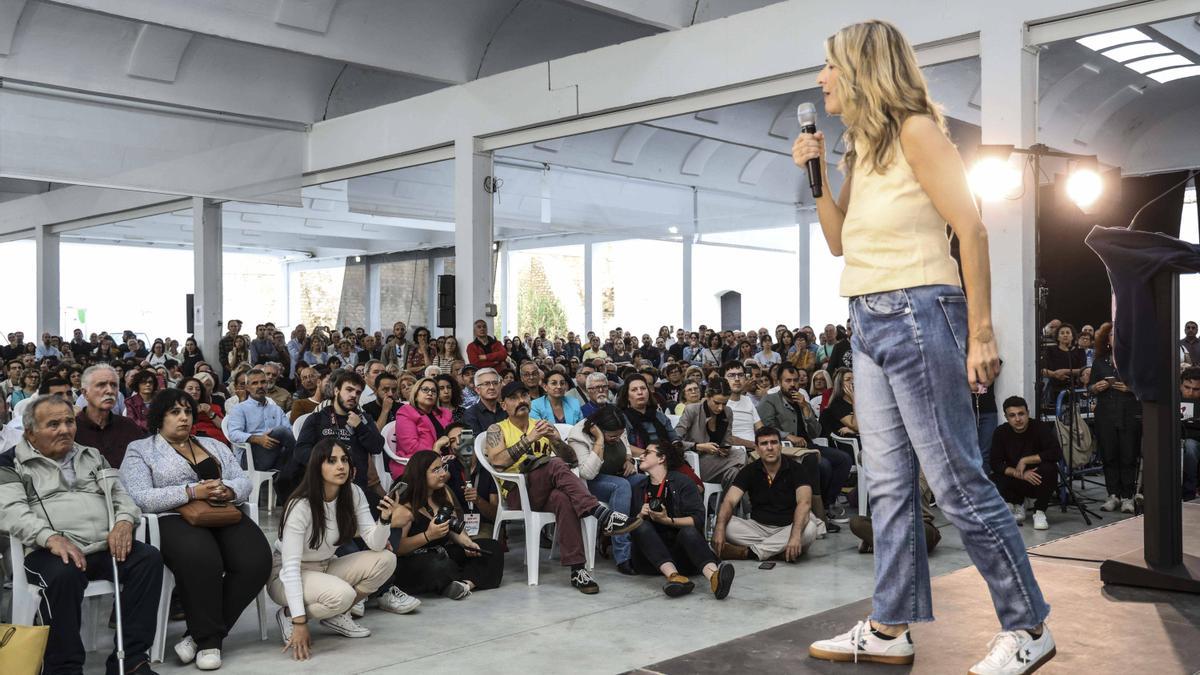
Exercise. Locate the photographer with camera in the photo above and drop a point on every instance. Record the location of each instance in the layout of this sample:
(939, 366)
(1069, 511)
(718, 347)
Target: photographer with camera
(671, 541)
(519, 444)
(471, 484)
(434, 553)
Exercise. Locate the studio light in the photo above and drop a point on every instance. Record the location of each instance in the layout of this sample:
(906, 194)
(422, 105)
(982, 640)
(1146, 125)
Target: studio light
(1084, 186)
(993, 178)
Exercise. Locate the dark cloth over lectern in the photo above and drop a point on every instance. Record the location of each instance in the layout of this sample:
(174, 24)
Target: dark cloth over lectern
(1133, 260)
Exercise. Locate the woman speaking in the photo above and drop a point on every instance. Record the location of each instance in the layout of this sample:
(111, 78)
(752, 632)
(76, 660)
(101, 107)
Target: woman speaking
(916, 339)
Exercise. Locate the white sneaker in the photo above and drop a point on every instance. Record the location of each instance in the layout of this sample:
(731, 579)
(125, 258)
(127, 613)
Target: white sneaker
(1111, 504)
(359, 609)
(397, 601)
(285, 624)
(1127, 506)
(343, 625)
(185, 649)
(1015, 653)
(208, 659)
(1039, 521)
(861, 644)
(1019, 513)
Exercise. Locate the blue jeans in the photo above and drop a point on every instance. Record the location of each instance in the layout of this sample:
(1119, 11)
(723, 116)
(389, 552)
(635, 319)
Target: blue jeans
(1191, 466)
(986, 427)
(914, 409)
(617, 492)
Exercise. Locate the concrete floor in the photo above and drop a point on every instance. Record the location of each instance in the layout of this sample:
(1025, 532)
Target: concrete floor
(553, 628)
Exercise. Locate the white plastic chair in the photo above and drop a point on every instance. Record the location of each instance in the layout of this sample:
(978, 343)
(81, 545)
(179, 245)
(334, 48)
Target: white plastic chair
(856, 450)
(257, 478)
(534, 520)
(389, 449)
(563, 430)
(153, 537)
(710, 489)
(299, 424)
(27, 597)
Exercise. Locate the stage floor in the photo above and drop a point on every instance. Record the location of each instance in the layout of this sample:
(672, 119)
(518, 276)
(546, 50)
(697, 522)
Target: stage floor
(1098, 629)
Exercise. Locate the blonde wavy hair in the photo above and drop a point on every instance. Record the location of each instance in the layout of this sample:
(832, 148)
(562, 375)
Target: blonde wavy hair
(880, 85)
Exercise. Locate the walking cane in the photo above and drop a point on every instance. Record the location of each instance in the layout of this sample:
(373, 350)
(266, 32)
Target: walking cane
(105, 479)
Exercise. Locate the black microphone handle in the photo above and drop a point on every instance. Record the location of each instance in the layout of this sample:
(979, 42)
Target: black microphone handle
(813, 165)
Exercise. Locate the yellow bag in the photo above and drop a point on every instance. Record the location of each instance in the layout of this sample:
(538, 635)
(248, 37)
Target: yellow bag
(22, 648)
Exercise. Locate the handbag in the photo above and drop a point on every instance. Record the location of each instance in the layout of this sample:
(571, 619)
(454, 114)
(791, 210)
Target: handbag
(22, 648)
(209, 512)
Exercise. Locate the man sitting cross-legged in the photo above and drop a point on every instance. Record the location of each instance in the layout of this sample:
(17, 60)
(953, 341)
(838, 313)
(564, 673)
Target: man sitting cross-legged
(781, 519)
(534, 448)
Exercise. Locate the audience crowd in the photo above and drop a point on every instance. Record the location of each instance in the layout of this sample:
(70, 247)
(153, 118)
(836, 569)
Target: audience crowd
(390, 456)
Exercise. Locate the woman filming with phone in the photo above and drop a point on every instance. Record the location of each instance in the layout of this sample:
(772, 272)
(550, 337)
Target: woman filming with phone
(433, 552)
(1118, 427)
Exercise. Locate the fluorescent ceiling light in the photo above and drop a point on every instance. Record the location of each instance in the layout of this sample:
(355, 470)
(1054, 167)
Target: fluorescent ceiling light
(1159, 62)
(1175, 73)
(1139, 50)
(1113, 38)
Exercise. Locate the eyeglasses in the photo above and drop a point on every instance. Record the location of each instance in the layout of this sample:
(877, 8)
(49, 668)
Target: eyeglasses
(489, 383)
(735, 376)
(426, 390)
(440, 468)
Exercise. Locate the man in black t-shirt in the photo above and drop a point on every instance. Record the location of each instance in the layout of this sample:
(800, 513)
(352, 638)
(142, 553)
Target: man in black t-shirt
(781, 519)
(1025, 455)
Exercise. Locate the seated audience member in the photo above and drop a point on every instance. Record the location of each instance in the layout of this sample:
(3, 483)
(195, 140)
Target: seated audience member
(218, 570)
(606, 463)
(820, 389)
(190, 357)
(207, 423)
(387, 400)
(519, 444)
(486, 351)
(578, 392)
(263, 424)
(644, 424)
(1117, 425)
(1025, 455)
(431, 556)
(343, 420)
(145, 383)
(707, 429)
(671, 539)
(838, 415)
(597, 392)
(27, 388)
(1189, 394)
(488, 410)
(466, 382)
(314, 380)
(97, 425)
(780, 492)
(672, 389)
(370, 373)
(421, 353)
(801, 356)
(531, 376)
(554, 406)
(282, 397)
(450, 396)
(52, 500)
(306, 578)
(692, 393)
(861, 526)
(741, 405)
(420, 425)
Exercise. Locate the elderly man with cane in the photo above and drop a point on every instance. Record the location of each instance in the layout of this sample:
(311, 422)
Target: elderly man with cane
(64, 503)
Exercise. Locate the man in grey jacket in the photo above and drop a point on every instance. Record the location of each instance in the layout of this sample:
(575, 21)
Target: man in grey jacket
(52, 501)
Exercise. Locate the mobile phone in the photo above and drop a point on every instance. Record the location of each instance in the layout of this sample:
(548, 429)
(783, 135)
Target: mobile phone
(767, 566)
(1110, 379)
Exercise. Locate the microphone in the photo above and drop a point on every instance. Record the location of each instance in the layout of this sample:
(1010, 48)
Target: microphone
(806, 114)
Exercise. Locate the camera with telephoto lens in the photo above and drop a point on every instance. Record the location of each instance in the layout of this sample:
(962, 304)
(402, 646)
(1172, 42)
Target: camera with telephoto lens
(466, 444)
(446, 515)
(656, 504)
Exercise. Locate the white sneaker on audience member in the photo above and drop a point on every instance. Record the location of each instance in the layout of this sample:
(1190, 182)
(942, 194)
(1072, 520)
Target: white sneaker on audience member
(862, 644)
(1019, 513)
(1111, 504)
(1039, 521)
(397, 601)
(1127, 506)
(342, 624)
(359, 609)
(1016, 652)
(208, 659)
(185, 649)
(285, 624)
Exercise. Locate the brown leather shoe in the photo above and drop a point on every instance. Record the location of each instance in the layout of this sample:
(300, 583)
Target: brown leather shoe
(678, 585)
(734, 552)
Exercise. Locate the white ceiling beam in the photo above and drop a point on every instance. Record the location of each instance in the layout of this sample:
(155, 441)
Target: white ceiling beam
(664, 14)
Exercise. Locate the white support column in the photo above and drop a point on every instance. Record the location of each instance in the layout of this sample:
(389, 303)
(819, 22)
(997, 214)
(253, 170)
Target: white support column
(803, 267)
(472, 237)
(285, 293)
(374, 300)
(1009, 115)
(508, 292)
(208, 270)
(689, 237)
(47, 279)
(588, 288)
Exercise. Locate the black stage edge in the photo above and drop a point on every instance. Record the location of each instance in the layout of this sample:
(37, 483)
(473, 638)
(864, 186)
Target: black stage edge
(1099, 629)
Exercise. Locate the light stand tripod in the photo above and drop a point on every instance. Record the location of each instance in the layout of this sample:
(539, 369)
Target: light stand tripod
(1065, 477)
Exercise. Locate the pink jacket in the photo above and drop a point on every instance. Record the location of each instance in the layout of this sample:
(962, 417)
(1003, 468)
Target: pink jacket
(414, 432)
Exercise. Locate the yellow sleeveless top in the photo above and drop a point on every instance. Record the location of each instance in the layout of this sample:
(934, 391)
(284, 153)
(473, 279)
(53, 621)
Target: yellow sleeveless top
(892, 236)
(512, 435)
